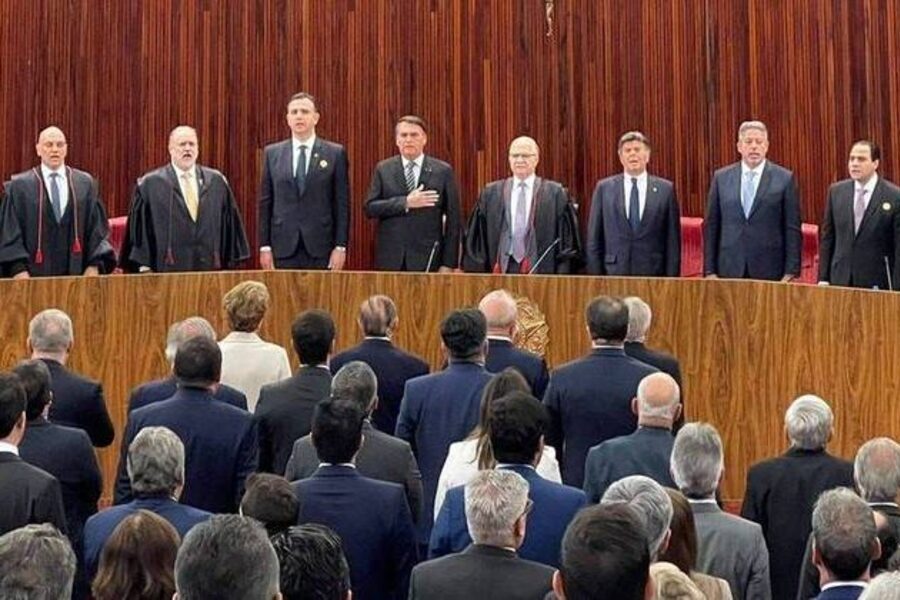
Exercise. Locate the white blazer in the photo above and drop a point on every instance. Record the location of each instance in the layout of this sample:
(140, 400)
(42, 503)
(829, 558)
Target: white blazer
(249, 362)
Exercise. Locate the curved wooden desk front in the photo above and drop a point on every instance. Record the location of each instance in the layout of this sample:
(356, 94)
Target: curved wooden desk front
(746, 348)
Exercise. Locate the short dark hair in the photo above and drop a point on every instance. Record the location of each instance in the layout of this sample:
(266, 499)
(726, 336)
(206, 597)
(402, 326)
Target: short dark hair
(464, 332)
(633, 136)
(269, 499)
(198, 363)
(874, 149)
(413, 120)
(313, 566)
(604, 554)
(337, 430)
(607, 319)
(517, 423)
(305, 96)
(34, 375)
(313, 334)
(12, 402)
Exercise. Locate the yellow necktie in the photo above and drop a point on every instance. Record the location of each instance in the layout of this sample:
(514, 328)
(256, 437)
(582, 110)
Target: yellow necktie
(190, 196)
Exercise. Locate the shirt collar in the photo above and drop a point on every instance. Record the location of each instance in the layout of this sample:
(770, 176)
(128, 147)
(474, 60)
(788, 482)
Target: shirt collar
(869, 187)
(758, 169)
(309, 143)
(833, 584)
(322, 366)
(515, 466)
(529, 181)
(179, 172)
(325, 464)
(377, 337)
(703, 501)
(46, 171)
(502, 338)
(7, 447)
(416, 161)
(642, 178)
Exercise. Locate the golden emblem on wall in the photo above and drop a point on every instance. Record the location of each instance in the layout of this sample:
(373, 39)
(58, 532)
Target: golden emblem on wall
(533, 332)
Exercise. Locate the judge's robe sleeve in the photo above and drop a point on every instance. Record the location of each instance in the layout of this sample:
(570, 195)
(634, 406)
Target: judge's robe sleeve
(139, 248)
(233, 246)
(569, 255)
(14, 255)
(97, 249)
(476, 248)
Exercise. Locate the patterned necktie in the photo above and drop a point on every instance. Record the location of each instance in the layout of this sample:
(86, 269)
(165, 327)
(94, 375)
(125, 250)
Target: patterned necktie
(190, 196)
(634, 206)
(410, 176)
(520, 226)
(859, 208)
(300, 175)
(748, 192)
(55, 202)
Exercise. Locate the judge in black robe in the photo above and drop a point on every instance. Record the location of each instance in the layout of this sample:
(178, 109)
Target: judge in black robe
(163, 235)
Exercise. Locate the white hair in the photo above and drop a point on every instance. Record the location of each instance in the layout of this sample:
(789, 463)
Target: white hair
(499, 309)
(748, 125)
(884, 587)
(646, 408)
(182, 331)
(808, 422)
(494, 502)
(648, 499)
(697, 460)
(876, 470)
(50, 331)
(639, 318)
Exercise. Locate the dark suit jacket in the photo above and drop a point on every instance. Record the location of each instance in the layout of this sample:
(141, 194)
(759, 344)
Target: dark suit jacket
(220, 448)
(405, 237)
(372, 518)
(645, 452)
(393, 367)
(613, 248)
(841, 592)
(28, 495)
(502, 354)
(766, 245)
(78, 402)
(163, 389)
(382, 457)
(554, 507)
(284, 414)
(857, 259)
(589, 401)
(664, 362)
(480, 572)
(321, 218)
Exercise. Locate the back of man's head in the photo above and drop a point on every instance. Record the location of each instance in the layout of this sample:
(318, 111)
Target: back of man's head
(844, 535)
(313, 335)
(697, 460)
(34, 375)
(50, 332)
(337, 430)
(495, 501)
(36, 563)
(198, 363)
(182, 331)
(517, 424)
(499, 310)
(808, 422)
(270, 500)
(639, 319)
(356, 382)
(607, 319)
(604, 555)
(463, 333)
(658, 400)
(377, 316)
(12, 403)
(155, 462)
(313, 566)
(650, 501)
(876, 470)
(227, 557)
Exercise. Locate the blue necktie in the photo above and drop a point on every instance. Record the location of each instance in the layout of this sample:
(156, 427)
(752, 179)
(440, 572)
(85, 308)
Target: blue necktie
(634, 206)
(748, 192)
(54, 196)
(300, 175)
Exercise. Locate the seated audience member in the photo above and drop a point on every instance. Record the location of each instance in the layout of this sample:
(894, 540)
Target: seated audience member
(394, 367)
(27, 494)
(36, 563)
(651, 502)
(500, 311)
(228, 557)
(381, 457)
(371, 517)
(270, 500)
(781, 491)
(646, 451)
(78, 402)
(156, 470)
(473, 454)
(219, 440)
(285, 408)
(312, 564)
(496, 507)
(163, 389)
(729, 547)
(517, 425)
(248, 361)
(884, 587)
(605, 555)
(138, 560)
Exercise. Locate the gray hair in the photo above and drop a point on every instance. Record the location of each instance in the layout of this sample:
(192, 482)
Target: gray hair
(748, 125)
(639, 318)
(494, 502)
(697, 460)
(182, 331)
(884, 587)
(808, 422)
(36, 563)
(876, 470)
(650, 500)
(499, 309)
(356, 381)
(646, 393)
(844, 533)
(155, 461)
(50, 331)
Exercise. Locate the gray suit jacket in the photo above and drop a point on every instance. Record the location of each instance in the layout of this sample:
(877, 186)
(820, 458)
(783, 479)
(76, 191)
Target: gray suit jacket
(734, 549)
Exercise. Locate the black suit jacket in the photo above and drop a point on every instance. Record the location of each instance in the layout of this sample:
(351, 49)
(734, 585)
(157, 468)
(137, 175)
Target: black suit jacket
(78, 402)
(480, 572)
(613, 248)
(664, 362)
(857, 259)
(405, 237)
(163, 389)
(502, 354)
(321, 217)
(28, 495)
(284, 414)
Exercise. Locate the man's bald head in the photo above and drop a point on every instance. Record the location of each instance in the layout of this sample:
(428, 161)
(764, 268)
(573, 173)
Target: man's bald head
(500, 312)
(876, 470)
(658, 400)
(52, 147)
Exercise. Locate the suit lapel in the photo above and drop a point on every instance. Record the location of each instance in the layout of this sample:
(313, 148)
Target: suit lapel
(285, 160)
(424, 174)
(396, 170)
(764, 181)
(619, 203)
(316, 157)
(651, 204)
(872, 210)
(173, 181)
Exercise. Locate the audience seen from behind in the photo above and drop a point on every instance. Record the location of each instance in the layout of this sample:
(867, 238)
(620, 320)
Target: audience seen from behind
(650, 502)
(312, 563)
(270, 500)
(883, 587)
(36, 563)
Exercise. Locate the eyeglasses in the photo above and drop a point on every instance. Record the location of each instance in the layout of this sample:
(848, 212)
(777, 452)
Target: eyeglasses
(521, 156)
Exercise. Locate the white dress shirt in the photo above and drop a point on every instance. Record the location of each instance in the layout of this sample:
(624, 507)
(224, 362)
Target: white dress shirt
(642, 194)
(62, 182)
(6, 447)
(295, 145)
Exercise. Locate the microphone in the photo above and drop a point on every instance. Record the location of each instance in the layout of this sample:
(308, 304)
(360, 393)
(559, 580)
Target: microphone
(537, 263)
(434, 248)
(887, 271)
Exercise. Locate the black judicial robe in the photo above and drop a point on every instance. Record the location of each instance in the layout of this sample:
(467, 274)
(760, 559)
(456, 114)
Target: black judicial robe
(32, 240)
(161, 234)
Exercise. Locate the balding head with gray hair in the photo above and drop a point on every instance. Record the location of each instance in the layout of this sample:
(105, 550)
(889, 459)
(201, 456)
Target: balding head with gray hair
(809, 423)
(156, 461)
(36, 563)
(697, 460)
(500, 311)
(50, 334)
(639, 318)
(650, 500)
(495, 501)
(845, 539)
(182, 331)
(356, 382)
(876, 470)
(658, 400)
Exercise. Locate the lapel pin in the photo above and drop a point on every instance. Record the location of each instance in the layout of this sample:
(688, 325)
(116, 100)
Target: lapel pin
(886, 207)
(654, 190)
(323, 163)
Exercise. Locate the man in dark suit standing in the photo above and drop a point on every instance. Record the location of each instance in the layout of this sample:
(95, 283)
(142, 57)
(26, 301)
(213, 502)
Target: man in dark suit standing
(635, 222)
(500, 311)
(371, 517)
(752, 225)
(77, 401)
(416, 201)
(589, 400)
(285, 408)
(861, 227)
(378, 320)
(304, 198)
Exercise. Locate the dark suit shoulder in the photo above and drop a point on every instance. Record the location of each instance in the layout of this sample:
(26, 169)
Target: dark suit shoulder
(210, 173)
(610, 180)
(437, 164)
(889, 188)
(387, 163)
(278, 146)
(330, 146)
(660, 181)
(778, 169)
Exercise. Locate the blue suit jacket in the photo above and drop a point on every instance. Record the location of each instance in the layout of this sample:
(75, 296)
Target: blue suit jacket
(645, 452)
(393, 367)
(555, 506)
(502, 354)
(436, 411)
(765, 245)
(163, 389)
(373, 521)
(841, 592)
(220, 448)
(589, 401)
(78, 402)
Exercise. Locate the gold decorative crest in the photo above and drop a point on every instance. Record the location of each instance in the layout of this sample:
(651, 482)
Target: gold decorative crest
(534, 333)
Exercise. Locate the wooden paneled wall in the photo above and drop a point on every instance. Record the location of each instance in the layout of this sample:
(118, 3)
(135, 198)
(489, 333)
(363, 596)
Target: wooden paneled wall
(117, 76)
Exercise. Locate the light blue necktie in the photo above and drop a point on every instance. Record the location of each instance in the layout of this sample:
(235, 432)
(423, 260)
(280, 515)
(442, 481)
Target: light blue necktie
(520, 226)
(748, 192)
